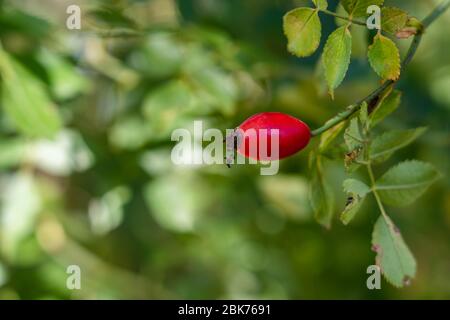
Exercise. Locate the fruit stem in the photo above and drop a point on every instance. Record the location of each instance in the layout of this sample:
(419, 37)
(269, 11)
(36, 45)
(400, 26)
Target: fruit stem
(350, 110)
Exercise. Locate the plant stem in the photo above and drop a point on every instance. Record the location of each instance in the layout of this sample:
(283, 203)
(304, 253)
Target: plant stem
(331, 13)
(374, 191)
(350, 110)
(437, 12)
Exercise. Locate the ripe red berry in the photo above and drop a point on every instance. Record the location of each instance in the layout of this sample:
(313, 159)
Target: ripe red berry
(293, 135)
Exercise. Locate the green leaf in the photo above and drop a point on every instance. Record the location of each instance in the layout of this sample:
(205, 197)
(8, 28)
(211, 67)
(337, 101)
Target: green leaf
(216, 88)
(358, 8)
(406, 182)
(130, 133)
(384, 57)
(364, 117)
(320, 193)
(386, 144)
(393, 19)
(66, 82)
(321, 4)
(351, 209)
(26, 101)
(329, 136)
(26, 24)
(359, 34)
(385, 107)
(393, 255)
(303, 30)
(354, 141)
(356, 191)
(336, 57)
(356, 187)
(161, 56)
(166, 107)
(352, 135)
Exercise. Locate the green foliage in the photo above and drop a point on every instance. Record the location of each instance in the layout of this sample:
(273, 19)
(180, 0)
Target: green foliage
(393, 19)
(387, 143)
(352, 135)
(181, 215)
(11, 152)
(320, 192)
(336, 57)
(388, 103)
(356, 191)
(400, 186)
(405, 182)
(321, 4)
(303, 29)
(384, 58)
(25, 100)
(355, 145)
(86, 176)
(165, 104)
(356, 187)
(65, 81)
(393, 255)
(358, 8)
(328, 137)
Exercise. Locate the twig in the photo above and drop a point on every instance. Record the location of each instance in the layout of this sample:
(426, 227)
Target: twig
(331, 13)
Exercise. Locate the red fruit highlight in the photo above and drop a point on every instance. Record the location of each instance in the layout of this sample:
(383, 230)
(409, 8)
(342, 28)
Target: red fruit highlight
(293, 135)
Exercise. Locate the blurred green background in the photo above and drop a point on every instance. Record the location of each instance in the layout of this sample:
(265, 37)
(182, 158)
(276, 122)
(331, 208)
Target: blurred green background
(104, 195)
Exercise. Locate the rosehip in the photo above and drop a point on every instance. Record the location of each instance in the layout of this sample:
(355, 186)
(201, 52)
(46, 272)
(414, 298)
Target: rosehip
(293, 135)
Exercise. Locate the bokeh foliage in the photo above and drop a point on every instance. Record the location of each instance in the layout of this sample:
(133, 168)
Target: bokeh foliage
(85, 171)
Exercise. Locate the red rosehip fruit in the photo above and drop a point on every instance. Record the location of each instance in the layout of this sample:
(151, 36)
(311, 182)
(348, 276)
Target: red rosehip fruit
(291, 135)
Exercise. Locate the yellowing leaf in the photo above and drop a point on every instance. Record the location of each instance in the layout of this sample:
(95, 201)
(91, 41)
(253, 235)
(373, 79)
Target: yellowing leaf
(393, 19)
(336, 57)
(384, 58)
(303, 30)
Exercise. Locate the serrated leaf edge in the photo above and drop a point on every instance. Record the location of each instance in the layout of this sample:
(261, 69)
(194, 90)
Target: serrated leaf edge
(396, 76)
